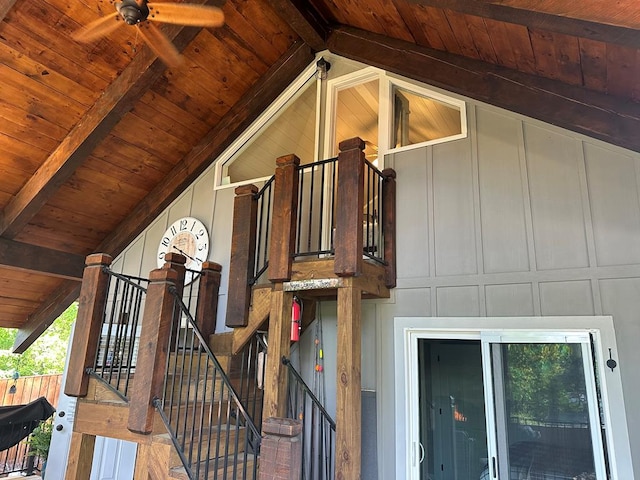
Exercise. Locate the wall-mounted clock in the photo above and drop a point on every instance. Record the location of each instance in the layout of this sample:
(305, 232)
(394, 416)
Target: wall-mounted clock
(189, 237)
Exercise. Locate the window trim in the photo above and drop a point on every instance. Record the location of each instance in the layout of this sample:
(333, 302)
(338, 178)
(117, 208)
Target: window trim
(461, 105)
(269, 115)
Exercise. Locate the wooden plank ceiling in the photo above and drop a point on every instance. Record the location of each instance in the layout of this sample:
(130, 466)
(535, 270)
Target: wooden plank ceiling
(96, 139)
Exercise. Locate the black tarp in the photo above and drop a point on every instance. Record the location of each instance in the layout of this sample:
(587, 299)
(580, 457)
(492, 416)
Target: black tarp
(18, 421)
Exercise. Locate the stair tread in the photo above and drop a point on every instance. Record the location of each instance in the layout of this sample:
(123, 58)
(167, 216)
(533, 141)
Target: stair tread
(250, 459)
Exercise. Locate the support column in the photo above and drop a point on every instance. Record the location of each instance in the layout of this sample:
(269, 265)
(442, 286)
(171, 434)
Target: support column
(243, 248)
(93, 296)
(208, 290)
(350, 197)
(349, 382)
(80, 456)
(283, 225)
(152, 354)
(276, 375)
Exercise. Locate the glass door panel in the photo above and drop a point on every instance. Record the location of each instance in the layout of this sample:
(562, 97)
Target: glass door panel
(453, 434)
(546, 415)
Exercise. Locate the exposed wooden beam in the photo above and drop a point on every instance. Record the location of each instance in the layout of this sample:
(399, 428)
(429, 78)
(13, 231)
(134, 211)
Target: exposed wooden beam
(295, 60)
(531, 14)
(5, 6)
(96, 124)
(48, 311)
(608, 118)
(304, 20)
(24, 256)
(241, 115)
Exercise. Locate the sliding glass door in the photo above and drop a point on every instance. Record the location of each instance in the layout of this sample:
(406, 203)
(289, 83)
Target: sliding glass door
(507, 406)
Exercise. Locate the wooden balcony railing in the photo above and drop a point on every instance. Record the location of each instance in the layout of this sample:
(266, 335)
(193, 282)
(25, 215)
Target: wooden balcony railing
(343, 207)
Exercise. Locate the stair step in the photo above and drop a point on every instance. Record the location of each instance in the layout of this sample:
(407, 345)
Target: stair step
(234, 435)
(231, 472)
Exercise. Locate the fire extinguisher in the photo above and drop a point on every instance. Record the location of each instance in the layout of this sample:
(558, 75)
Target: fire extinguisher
(296, 314)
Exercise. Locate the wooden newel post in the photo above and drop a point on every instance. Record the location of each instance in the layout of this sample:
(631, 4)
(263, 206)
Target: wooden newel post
(389, 225)
(152, 353)
(350, 201)
(93, 296)
(208, 298)
(243, 247)
(285, 210)
(176, 261)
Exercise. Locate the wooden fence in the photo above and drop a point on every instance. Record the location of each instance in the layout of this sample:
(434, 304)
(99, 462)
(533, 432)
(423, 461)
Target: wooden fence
(30, 388)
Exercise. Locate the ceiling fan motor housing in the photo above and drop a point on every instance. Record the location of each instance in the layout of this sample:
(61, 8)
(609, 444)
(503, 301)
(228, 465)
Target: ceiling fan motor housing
(131, 12)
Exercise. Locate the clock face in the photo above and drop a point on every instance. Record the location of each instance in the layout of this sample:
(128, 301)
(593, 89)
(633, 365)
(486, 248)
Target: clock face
(186, 236)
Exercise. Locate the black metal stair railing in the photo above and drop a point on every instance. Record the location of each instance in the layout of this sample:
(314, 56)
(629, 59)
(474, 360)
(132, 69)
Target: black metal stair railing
(116, 355)
(210, 428)
(318, 428)
(316, 207)
(264, 197)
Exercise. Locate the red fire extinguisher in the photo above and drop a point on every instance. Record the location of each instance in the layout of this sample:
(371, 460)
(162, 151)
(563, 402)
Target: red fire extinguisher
(296, 314)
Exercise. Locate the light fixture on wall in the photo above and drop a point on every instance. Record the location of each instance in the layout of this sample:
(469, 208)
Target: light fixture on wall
(322, 67)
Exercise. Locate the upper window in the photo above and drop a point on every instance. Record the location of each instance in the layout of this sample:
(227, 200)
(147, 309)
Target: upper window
(312, 117)
(419, 119)
(291, 129)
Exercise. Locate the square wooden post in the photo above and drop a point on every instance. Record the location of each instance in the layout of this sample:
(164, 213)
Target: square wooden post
(389, 225)
(80, 457)
(281, 449)
(152, 354)
(350, 202)
(276, 374)
(349, 382)
(93, 297)
(208, 298)
(243, 251)
(285, 210)
(176, 261)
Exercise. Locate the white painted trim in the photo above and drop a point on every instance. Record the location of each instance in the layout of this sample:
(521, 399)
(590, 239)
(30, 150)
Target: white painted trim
(408, 329)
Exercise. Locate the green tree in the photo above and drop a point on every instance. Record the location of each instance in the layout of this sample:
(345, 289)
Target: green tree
(46, 355)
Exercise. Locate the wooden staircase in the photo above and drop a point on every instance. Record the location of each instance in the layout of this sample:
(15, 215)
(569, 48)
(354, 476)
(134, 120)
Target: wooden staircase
(215, 435)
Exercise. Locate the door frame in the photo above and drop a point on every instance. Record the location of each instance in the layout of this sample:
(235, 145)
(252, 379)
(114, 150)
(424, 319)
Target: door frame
(408, 329)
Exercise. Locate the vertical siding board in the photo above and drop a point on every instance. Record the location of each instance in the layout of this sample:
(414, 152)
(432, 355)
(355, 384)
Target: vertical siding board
(454, 218)
(613, 191)
(566, 298)
(411, 214)
(509, 300)
(556, 200)
(463, 301)
(504, 235)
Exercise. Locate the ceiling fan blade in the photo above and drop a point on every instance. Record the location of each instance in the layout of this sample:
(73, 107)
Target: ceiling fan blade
(98, 28)
(160, 44)
(186, 14)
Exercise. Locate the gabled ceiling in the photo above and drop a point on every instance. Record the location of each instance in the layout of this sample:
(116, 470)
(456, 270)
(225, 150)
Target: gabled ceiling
(97, 139)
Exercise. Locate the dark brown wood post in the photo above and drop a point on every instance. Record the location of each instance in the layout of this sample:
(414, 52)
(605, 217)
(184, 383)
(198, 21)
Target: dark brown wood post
(281, 449)
(283, 225)
(389, 225)
(86, 337)
(208, 298)
(176, 261)
(243, 251)
(152, 354)
(350, 208)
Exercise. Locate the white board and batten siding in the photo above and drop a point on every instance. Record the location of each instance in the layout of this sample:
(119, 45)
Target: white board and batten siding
(519, 219)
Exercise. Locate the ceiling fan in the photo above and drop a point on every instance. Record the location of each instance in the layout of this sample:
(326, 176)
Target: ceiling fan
(137, 12)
